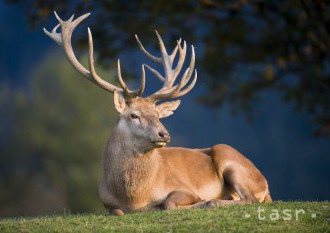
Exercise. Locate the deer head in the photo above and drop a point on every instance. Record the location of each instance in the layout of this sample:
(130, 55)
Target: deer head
(138, 116)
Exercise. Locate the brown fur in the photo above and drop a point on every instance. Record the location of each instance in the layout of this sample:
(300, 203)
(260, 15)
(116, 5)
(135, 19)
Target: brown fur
(139, 179)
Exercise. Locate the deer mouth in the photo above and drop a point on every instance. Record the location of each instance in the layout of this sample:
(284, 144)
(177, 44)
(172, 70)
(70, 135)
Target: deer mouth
(160, 143)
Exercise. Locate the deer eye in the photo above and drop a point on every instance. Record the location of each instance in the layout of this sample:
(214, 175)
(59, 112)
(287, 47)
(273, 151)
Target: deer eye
(134, 116)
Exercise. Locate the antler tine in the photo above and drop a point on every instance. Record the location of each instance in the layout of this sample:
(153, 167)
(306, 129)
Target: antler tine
(175, 91)
(161, 45)
(143, 81)
(155, 72)
(64, 40)
(185, 91)
(54, 29)
(150, 56)
(182, 52)
(121, 81)
(58, 18)
(190, 70)
(175, 50)
(54, 35)
(187, 74)
(168, 90)
(160, 96)
(166, 62)
(104, 84)
(126, 90)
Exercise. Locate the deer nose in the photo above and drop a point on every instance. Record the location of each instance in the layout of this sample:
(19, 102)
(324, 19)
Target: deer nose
(164, 136)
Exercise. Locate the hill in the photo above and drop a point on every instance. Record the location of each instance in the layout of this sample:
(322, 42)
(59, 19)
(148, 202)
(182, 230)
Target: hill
(269, 217)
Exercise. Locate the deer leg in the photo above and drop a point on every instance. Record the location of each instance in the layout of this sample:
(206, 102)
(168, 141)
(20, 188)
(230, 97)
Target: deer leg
(238, 184)
(240, 177)
(246, 197)
(220, 203)
(116, 212)
(182, 200)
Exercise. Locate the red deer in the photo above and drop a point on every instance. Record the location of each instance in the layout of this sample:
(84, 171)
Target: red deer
(139, 172)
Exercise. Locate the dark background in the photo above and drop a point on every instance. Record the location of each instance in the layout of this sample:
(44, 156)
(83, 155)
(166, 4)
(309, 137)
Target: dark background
(263, 88)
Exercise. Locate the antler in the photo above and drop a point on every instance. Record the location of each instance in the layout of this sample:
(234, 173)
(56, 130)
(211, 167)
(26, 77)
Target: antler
(168, 90)
(64, 40)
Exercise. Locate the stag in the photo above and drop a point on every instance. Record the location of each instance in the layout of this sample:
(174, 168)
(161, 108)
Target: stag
(139, 172)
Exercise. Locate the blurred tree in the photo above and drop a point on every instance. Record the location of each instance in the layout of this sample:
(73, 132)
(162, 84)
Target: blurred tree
(41, 175)
(244, 46)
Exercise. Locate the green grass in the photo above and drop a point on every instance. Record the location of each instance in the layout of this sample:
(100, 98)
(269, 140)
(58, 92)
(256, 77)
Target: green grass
(226, 219)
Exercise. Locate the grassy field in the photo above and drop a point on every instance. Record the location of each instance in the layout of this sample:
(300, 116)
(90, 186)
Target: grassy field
(270, 217)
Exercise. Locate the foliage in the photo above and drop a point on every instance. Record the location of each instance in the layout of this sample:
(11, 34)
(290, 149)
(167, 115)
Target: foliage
(227, 219)
(61, 131)
(244, 47)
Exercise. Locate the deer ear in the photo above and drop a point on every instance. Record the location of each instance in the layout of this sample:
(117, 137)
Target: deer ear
(166, 109)
(119, 101)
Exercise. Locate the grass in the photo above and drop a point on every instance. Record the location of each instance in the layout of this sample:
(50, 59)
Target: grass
(316, 218)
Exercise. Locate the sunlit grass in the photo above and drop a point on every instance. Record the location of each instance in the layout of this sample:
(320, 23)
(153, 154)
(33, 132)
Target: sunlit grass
(272, 217)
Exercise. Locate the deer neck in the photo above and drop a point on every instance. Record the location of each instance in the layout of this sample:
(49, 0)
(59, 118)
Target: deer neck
(128, 171)
(125, 149)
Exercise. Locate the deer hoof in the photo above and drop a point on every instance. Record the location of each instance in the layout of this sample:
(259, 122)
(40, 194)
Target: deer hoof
(213, 203)
(116, 212)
